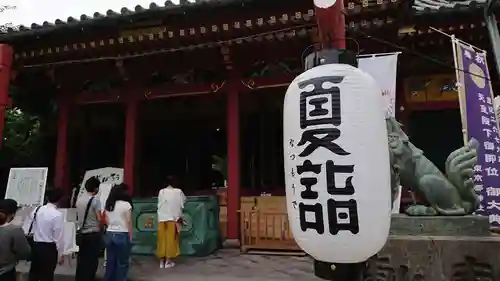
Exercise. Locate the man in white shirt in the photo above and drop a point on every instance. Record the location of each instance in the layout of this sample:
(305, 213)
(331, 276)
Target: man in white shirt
(170, 205)
(47, 249)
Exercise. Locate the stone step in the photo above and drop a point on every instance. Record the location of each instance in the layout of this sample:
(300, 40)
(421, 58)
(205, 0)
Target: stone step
(440, 226)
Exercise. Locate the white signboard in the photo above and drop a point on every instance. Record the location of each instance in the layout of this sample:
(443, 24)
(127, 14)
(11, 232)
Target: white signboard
(336, 164)
(108, 176)
(383, 68)
(70, 214)
(69, 237)
(22, 215)
(104, 190)
(27, 185)
(27, 219)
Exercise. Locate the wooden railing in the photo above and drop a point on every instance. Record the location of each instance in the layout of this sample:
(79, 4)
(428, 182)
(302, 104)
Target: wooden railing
(266, 231)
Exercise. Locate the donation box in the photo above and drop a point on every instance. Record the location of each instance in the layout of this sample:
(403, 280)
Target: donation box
(200, 235)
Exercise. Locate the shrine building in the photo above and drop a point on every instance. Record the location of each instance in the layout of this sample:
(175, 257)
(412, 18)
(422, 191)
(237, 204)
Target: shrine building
(166, 89)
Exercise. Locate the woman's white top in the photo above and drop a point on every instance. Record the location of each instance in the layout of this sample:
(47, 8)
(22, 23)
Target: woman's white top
(117, 219)
(170, 204)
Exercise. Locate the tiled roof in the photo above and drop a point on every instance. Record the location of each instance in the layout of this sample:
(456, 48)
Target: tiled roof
(423, 6)
(110, 16)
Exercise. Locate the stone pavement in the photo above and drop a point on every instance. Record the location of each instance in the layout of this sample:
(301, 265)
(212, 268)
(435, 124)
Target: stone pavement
(225, 265)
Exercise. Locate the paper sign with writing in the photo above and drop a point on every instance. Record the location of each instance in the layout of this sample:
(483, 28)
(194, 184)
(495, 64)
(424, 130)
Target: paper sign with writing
(27, 185)
(109, 176)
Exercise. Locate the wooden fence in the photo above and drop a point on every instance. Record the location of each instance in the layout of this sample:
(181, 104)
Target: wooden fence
(266, 231)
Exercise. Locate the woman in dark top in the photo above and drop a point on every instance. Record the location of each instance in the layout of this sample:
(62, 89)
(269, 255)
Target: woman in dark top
(14, 246)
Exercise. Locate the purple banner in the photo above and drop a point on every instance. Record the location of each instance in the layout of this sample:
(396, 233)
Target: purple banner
(481, 123)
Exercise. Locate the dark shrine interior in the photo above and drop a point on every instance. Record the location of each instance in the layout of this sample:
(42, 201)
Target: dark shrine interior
(437, 133)
(179, 136)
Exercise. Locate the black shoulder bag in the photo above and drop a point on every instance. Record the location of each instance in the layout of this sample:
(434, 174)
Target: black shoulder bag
(79, 233)
(29, 236)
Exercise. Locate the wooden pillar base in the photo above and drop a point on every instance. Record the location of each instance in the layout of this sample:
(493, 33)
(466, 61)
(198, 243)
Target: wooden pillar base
(231, 244)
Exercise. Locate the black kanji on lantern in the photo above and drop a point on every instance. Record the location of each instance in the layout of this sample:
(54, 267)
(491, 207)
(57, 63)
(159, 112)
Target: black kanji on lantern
(320, 118)
(308, 182)
(331, 186)
(317, 213)
(343, 215)
(323, 137)
(321, 105)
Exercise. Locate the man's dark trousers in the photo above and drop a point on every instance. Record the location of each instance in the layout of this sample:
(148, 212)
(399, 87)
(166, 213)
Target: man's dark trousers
(43, 261)
(88, 256)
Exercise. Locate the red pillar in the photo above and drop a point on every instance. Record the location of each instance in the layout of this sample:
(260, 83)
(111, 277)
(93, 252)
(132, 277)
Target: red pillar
(130, 141)
(233, 160)
(62, 169)
(5, 65)
(331, 23)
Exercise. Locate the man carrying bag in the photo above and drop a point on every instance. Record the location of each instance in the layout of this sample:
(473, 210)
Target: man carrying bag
(89, 235)
(48, 238)
(29, 236)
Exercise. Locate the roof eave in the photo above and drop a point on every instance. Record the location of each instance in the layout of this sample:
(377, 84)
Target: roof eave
(153, 12)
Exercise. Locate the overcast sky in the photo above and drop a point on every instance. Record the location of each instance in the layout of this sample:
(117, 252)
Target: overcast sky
(38, 11)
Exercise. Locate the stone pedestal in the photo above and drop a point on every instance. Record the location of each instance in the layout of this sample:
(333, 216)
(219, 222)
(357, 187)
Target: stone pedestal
(440, 226)
(437, 248)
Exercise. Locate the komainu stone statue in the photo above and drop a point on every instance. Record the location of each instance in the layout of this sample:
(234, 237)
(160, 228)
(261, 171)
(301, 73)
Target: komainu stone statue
(446, 195)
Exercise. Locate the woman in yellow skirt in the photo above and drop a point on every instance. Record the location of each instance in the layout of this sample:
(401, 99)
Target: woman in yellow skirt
(170, 205)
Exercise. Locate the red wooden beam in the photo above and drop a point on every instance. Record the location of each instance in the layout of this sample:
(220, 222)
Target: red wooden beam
(169, 90)
(267, 82)
(159, 92)
(98, 97)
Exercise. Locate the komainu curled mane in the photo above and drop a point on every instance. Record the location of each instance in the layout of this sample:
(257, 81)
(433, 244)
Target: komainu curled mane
(447, 195)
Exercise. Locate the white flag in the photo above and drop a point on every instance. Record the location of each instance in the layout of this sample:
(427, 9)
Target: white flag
(383, 69)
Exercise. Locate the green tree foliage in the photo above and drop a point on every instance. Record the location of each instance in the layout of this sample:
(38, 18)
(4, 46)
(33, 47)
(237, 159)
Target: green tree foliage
(22, 138)
(22, 143)
(5, 8)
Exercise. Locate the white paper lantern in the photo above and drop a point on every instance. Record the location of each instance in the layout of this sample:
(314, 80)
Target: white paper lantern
(337, 164)
(324, 4)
